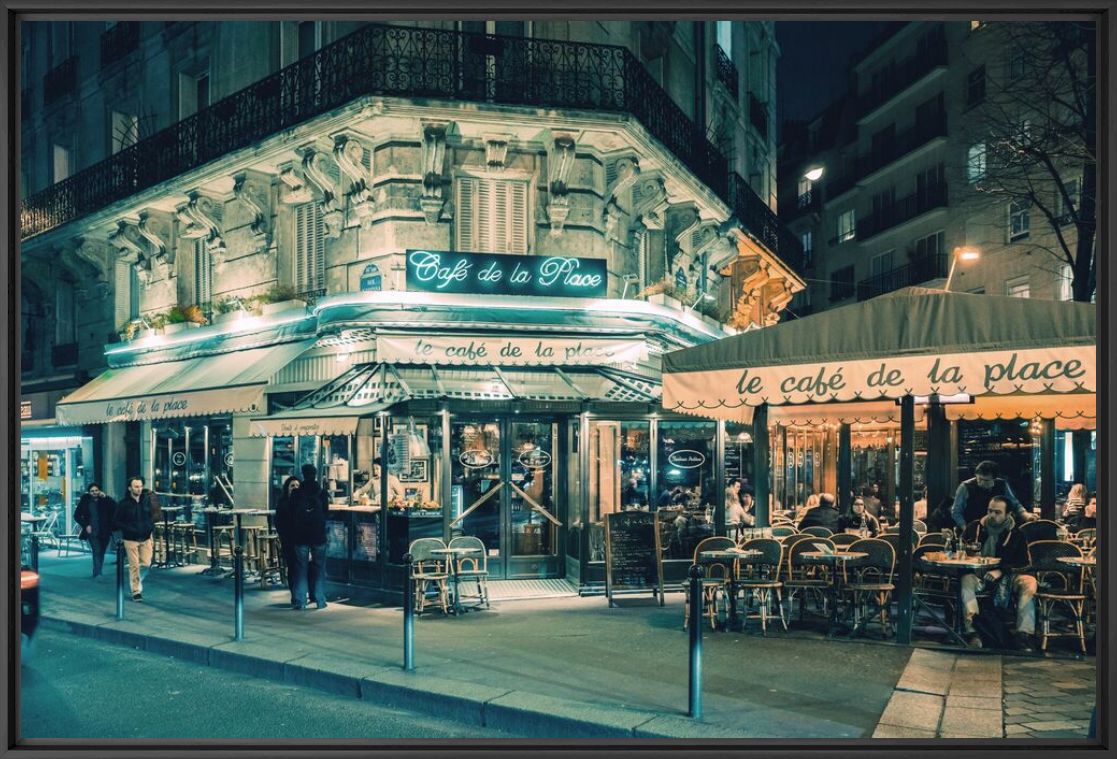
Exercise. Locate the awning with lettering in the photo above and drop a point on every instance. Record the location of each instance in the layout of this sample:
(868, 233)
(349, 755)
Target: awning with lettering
(914, 341)
(226, 383)
(334, 420)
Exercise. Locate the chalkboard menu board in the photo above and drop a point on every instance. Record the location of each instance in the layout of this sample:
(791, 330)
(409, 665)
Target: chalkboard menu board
(632, 555)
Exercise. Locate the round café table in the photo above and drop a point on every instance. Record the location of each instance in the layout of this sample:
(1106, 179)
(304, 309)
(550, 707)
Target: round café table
(956, 566)
(238, 528)
(211, 513)
(836, 558)
(736, 555)
(453, 554)
(170, 557)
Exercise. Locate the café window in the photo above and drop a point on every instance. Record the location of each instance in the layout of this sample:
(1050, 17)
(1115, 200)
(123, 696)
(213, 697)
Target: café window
(493, 215)
(188, 457)
(620, 468)
(686, 493)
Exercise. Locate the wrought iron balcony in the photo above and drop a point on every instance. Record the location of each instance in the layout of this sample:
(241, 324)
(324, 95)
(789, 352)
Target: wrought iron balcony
(758, 115)
(918, 271)
(904, 209)
(905, 142)
(118, 41)
(60, 80)
(755, 215)
(727, 72)
(906, 73)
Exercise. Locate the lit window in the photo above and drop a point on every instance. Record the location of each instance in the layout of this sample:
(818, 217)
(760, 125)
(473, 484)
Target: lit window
(1018, 221)
(975, 25)
(807, 240)
(125, 130)
(805, 186)
(1018, 287)
(492, 215)
(975, 163)
(60, 163)
(725, 37)
(847, 226)
(1065, 283)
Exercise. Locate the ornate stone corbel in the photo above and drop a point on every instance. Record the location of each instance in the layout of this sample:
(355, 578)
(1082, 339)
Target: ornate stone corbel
(125, 240)
(560, 160)
(628, 171)
(298, 190)
(247, 191)
(317, 172)
(433, 156)
(496, 151)
(649, 199)
(781, 292)
(92, 261)
(160, 260)
(349, 154)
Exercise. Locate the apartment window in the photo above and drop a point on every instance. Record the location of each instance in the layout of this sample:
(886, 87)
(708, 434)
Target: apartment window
(847, 226)
(724, 31)
(841, 283)
(975, 163)
(124, 130)
(806, 239)
(883, 203)
(1018, 287)
(64, 312)
(310, 249)
(203, 272)
(882, 263)
(310, 37)
(930, 111)
(975, 86)
(193, 93)
(1064, 287)
(883, 141)
(492, 214)
(805, 186)
(1018, 221)
(928, 185)
(1064, 211)
(1014, 64)
(61, 163)
(931, 245)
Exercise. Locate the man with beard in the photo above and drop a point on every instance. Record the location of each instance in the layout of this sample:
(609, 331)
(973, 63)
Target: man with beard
(94, 513)
(972, 497)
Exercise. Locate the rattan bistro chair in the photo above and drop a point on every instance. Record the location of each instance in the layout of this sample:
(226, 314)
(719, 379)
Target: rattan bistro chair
(429, 572)
(1041, 529)
(817, 531)
(871, 587)
(762, 580)
(1058, 584)
(804, 579)
(844, 538)
(714, 581)
(473, 568)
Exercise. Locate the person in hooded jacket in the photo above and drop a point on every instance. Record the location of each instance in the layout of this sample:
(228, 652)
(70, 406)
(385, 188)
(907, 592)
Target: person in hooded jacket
(285, 528)
(309, 505)
(94, 513)
(135, 517)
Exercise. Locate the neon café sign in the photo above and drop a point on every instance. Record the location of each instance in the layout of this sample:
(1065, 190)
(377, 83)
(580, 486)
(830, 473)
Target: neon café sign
(505, 274)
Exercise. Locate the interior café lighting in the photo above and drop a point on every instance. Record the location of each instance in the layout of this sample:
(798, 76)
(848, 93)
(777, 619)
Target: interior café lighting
(813, 174)
(962, 253)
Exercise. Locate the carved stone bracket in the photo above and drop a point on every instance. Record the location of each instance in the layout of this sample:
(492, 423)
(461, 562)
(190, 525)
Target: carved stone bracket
(248, 192)
(780, 292)
(433, 156)
(160, 259)
(200, 217)
(650, 201)
(298, 190)
(628, 171)
(496, 151)
(126, 239)
(91, 259)
(349, 154)
(317, 172)
(560, 160)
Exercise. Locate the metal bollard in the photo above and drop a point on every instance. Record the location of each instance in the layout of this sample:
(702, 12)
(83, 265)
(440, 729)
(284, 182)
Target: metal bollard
(238, 593)
(695, 625)
(119, 579)
(408, 616)
(35, 552)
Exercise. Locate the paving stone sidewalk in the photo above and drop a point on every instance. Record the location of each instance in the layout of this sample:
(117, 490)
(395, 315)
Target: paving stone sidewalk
(1048, 699)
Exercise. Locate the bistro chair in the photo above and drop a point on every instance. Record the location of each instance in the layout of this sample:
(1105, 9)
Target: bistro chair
(919, 526)
(1085, 538)
(762, 579)
(714, 581)
(817, 531)
(932, 587)
(1041, 529)
(936, 539)
(783, 530)
(1058, 584)
(803, 577)
(844, 539)
(871, 587)
(429, 572)
(474, 567)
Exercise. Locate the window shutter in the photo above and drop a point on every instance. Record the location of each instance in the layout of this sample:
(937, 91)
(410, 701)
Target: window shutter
(492, 215)
(519, 222)
(122, 304)
(310, 259)
(483, 215)
(465, 222)
(203, 273)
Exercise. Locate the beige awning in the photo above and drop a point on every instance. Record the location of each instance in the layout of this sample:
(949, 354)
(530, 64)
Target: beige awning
(226, 383)
(335, 420)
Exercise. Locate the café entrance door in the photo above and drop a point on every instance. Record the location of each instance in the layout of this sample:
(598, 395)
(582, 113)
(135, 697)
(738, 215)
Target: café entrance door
(504, 474)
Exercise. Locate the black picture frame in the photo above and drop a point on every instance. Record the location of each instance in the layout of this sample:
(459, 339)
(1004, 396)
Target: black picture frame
(16, 10)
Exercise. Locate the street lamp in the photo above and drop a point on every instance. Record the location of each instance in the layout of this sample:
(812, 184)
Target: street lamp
(813, 174)
(963, 253)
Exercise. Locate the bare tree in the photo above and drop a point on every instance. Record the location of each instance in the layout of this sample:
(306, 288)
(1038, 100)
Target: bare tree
(1037, 121)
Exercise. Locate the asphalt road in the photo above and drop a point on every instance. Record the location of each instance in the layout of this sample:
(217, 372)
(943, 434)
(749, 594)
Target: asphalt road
(80, 688)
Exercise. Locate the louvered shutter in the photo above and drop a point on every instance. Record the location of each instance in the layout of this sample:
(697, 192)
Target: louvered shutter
(203, 273)
(518, 217)
(492, 215)
(310, 259)
(483, 215)
(122, 302)
(465, 222)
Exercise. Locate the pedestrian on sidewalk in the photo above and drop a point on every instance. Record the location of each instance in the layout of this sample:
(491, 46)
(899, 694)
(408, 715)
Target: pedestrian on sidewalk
(310, 505)
(95, 513)
(135, 517)
(285, 528)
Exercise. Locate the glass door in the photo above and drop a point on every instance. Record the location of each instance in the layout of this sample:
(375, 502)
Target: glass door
(476, 485)
(532, 520)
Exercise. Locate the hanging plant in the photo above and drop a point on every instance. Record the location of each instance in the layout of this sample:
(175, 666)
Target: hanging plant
(195, 315)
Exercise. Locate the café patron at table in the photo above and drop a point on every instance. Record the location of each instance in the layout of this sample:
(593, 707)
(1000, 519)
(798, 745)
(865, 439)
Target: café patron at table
(995, 357)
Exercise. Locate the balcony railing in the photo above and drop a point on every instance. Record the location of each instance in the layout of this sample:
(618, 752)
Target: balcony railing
(904, 209)
(398, 61)
(118, 41)
(755, 215)
(918, 271)
(758, 115)
(60, 80)
(727, 72)
(905, 74)
(904, 143)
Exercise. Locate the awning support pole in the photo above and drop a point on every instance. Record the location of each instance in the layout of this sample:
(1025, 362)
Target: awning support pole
(760, 464)
(938, 455)
(907, 513)
(1047, 443)
(719, 480)
(845, 468)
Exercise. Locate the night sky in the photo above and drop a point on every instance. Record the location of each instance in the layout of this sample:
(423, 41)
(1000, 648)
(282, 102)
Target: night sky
(814, 60)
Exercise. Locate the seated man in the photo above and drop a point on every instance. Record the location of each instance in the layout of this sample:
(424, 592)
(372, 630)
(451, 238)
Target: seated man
(824, 515)
(997, 535)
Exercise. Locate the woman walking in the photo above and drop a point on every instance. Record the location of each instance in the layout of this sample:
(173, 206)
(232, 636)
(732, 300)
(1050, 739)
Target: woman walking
(285, 528)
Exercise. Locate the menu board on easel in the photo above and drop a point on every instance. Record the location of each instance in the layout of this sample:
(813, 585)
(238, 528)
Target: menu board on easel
(632, 553)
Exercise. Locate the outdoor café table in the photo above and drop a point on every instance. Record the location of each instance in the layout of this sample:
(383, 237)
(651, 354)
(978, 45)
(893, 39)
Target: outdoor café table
(836, 558)
(168, 559)
(211, 513)
(453, 554)
(956, 566)
(736, 555)
(1080, 561)
(238, 529)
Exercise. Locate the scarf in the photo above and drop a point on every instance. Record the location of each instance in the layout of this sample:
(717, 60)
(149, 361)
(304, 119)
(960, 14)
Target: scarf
(994, 534)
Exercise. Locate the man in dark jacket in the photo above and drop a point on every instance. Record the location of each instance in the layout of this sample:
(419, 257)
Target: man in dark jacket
(309, 505)
(997, 535)
(825, 514)
(95, 513)
(972, 496)
(135, 517)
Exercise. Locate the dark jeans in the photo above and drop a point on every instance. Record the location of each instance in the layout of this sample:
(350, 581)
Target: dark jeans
(97, 546)
(291, 561)
(310, 567)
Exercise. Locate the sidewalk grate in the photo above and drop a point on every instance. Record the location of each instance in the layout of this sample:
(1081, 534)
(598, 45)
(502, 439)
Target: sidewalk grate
(516, 590)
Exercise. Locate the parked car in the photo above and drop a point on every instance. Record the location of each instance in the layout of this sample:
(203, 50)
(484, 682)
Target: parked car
(29, 612)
